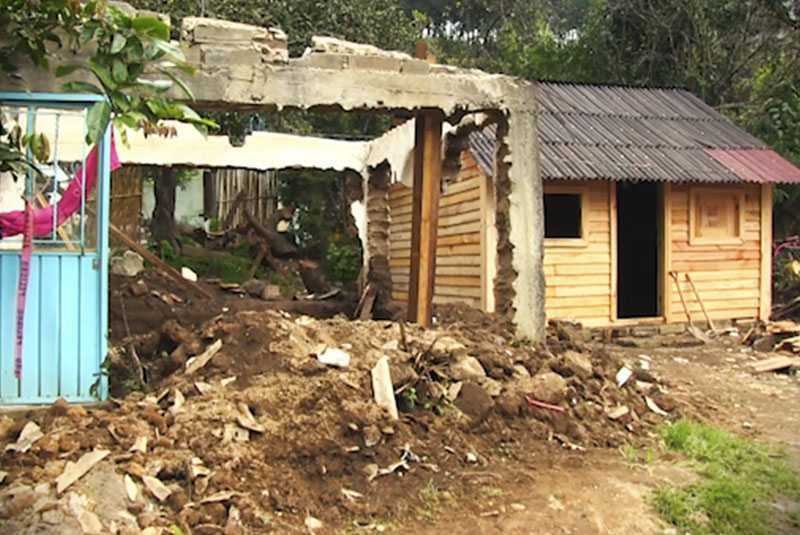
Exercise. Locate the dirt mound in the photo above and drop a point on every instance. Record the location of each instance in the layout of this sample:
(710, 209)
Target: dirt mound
(263, 436)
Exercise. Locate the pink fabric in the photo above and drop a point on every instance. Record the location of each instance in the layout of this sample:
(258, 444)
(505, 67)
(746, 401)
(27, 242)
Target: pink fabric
(13, 223)
(22, 287)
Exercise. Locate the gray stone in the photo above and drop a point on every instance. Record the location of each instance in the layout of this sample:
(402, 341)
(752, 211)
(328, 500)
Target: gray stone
(415, 66)
(254, 287)
(578, 363)
(467, 369)
(492, 386)
(205, 30)
(375, 63)
(216, 55)
(325, 61)
(548, 387)
(129, 264)
(521, 372)
(765, 344)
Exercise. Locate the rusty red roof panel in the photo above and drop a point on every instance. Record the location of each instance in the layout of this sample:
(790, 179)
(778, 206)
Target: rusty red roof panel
(757, 165)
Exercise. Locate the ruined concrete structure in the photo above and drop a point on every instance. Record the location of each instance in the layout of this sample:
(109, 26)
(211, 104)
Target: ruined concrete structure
(242, 67)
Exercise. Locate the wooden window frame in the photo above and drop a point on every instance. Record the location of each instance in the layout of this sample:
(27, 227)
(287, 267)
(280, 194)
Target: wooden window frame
(583, 191)
(740, 199)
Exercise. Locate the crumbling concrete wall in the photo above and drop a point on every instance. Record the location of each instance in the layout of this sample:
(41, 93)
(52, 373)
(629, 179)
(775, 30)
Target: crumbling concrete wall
(242, 67)
(377, 246)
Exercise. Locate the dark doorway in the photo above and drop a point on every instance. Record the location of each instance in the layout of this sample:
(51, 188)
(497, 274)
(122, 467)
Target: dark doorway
(638, 249)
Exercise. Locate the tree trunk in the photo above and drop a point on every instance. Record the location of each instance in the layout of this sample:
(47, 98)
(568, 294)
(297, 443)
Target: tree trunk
(162, 224)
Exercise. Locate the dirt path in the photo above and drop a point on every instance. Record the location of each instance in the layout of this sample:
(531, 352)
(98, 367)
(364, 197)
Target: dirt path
(599, 491)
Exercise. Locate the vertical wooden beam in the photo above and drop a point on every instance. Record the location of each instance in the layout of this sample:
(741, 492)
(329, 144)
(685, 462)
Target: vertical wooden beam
(666, 253)
(612, 219)
(425, 214)
(765, 293)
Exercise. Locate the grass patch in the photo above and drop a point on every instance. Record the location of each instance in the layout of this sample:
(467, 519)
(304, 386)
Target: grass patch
(739, 480)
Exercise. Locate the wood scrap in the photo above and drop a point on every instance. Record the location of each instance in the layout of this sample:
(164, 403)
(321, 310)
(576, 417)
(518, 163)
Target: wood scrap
(74, 471)
(700, 301)
(674, 276)
(196, 363)
(365, 303)
(775, 363)
(159, 264)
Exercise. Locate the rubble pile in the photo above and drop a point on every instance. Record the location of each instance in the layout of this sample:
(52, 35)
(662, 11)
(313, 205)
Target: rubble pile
(268, 421)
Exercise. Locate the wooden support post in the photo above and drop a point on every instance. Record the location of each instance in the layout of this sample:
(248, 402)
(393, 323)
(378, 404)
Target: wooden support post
(765, 286)
(425, 214)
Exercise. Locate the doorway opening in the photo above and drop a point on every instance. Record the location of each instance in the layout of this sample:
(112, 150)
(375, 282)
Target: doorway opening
(639, 241)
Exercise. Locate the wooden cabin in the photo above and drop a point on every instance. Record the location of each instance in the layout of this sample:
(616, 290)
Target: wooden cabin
(655, 206)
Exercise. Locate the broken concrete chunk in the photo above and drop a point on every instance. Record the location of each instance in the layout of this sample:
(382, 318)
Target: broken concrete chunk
(29, 435)
(578, 364)
(446, 344)
(129, 264)
(194, 364)
(382, 387)
(75, 471)
(158, 489)
(234, 433)
(372, 435)
(492, 386)
(467, 369)
(453, 390)
(3, 476)
(188, 274)
(203, 387)
(520, 372)
(333, 356)
(547, 386)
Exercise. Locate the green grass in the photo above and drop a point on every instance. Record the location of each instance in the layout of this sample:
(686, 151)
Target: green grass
(739, 479)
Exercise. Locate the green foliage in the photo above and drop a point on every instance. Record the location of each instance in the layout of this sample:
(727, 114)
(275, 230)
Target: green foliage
(129, 61)
(739, 479)
(343, 261)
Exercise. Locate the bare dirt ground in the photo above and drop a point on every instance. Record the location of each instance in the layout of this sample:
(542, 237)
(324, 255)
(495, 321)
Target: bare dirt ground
(599, 491)
(266, 439)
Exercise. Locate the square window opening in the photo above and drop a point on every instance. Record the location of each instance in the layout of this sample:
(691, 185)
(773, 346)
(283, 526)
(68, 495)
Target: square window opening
(716, 217)
(563, 216)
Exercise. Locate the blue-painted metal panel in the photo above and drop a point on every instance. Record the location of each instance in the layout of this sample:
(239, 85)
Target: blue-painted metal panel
(66, 315)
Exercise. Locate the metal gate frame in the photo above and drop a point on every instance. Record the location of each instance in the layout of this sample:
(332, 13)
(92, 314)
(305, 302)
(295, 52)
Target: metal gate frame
(45, 378)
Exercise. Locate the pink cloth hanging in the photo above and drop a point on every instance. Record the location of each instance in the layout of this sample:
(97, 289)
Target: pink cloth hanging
(13, 223)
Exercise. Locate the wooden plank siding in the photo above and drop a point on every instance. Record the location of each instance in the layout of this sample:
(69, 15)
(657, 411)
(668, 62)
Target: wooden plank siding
(578, 279)
(458, 251)
(727, 277)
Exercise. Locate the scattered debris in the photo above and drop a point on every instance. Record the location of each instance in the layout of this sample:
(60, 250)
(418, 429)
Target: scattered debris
(776, 363)
(139, 445)
(623, 375)
(617, 412)
(74, 471)
(542, 405)
(188, 274)
(246, 419)
(160, 491)
(131, 489)
(194, 364)
(382, 387)
(333, 356)
(313, 524)
(653, 406)
(27, 437)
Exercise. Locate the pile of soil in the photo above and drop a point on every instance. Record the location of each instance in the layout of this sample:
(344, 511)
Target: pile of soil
(266, 438)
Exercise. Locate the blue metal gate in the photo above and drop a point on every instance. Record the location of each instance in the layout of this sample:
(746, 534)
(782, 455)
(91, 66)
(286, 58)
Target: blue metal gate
(66, 308)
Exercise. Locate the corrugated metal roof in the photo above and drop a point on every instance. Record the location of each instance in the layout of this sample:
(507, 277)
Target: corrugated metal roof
(757, 165)
(624, 133)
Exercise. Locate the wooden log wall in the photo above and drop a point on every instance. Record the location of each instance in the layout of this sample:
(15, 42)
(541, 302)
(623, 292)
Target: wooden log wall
(727, 277)
(458, 252)
(578, 277)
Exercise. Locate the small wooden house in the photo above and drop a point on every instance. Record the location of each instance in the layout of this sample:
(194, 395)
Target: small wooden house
(655, 206)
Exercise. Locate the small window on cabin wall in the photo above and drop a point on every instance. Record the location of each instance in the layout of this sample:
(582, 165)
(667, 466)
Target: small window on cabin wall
(716, 217)
(563, 215)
